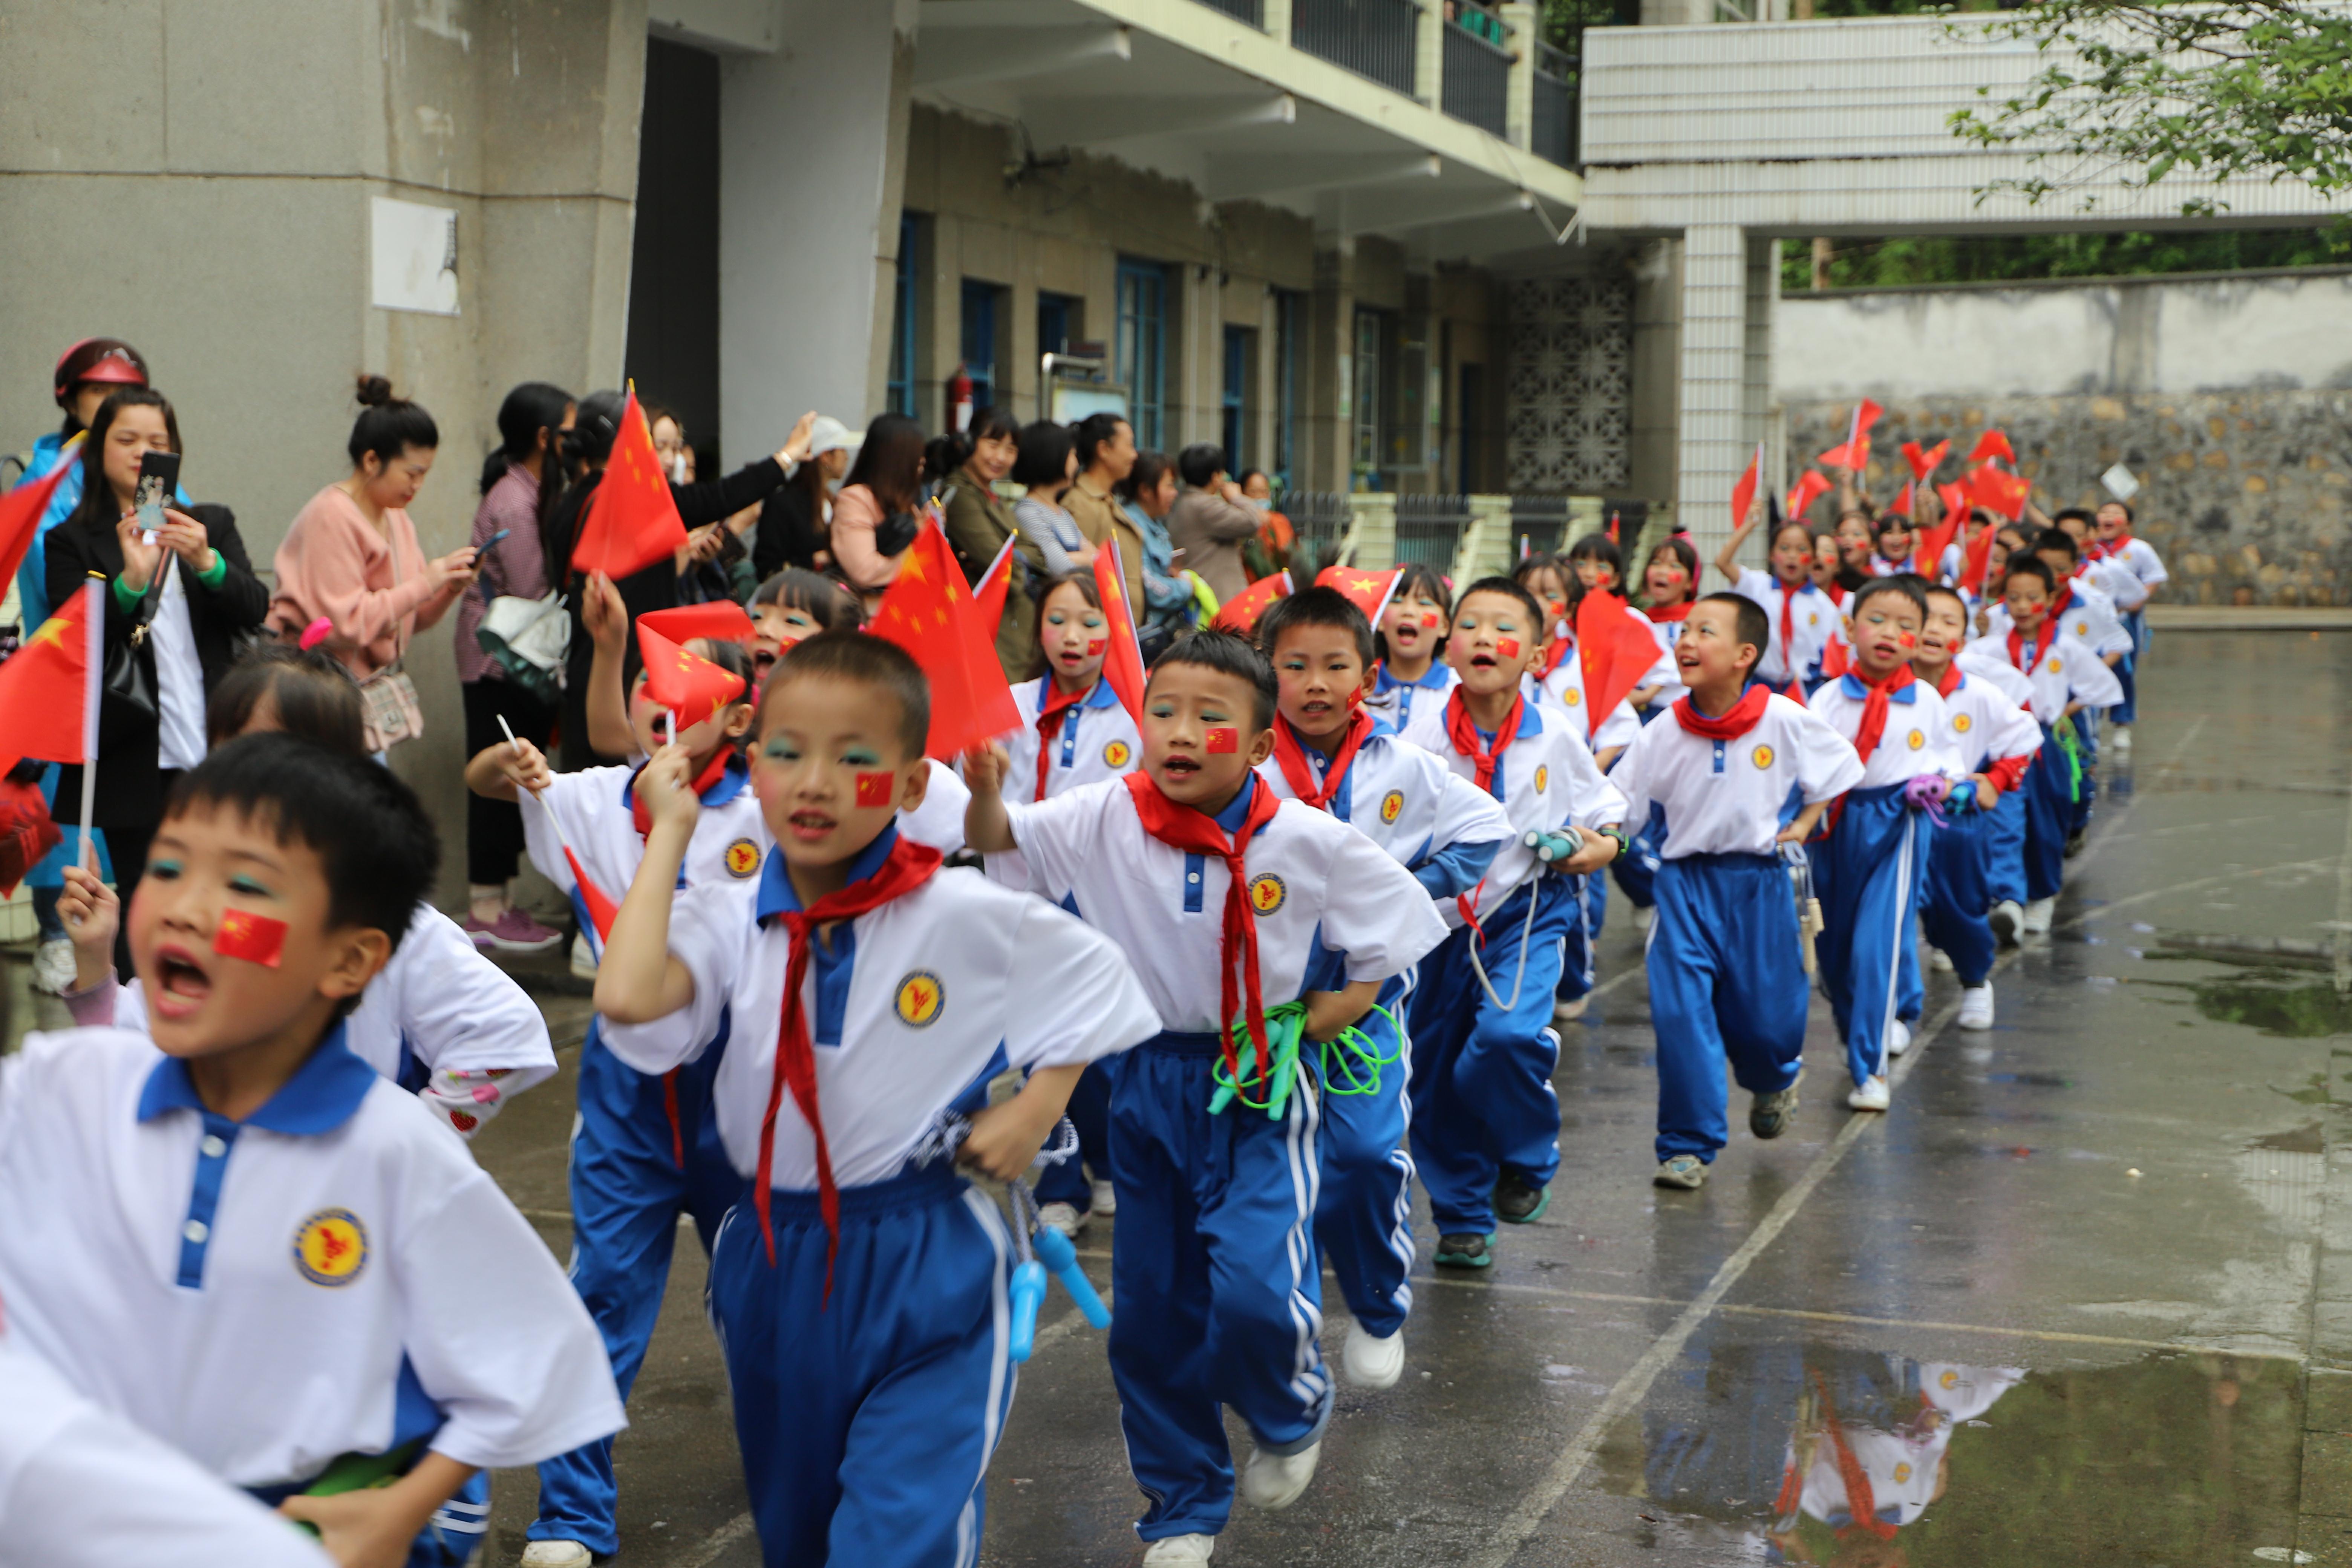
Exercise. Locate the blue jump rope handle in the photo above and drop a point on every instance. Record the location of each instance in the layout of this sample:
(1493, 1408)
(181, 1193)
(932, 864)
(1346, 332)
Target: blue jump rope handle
(1059, 1256)
(1962, 796)
(1551, 846)
(1028, 1294)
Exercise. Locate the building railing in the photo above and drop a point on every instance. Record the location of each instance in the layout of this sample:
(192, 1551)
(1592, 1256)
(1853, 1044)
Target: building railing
(1539, 523)
(1552, 135)
(1319, 522)
(1250, 11)
(1429, 528)
(1477, 77)
(1374, 39)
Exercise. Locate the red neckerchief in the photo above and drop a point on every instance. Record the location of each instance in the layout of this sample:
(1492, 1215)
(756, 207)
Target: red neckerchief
(1196, 832)
(2104, 548)
(1563, 639)
(1667, 614)
(2065, 597)
(2018, 645)
(1463, 731)
(1949, 682)
(1743, 715)
(908, 867)
(1836, 591)
(1290, 755)
(1861, 1503)
(642, 815)
(1874, 707)
(1049, 724)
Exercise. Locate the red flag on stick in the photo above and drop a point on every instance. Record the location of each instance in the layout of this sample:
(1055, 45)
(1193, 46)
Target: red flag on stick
(1616, 651)
(1925, 463)
(688, 685)
(1743, 494)
(632, 519)
(988, 597)
(48, 689)
(1367, 591)
(596, 900)
(928, 611)
(1993, 443)
(1934, 542)
(21, 510)
(1123, 649)
(1979, 559)
(1239, 613)
(1811, 486)
(1856, 453)
(1997, 491)
(1901, 505)
(720, 620)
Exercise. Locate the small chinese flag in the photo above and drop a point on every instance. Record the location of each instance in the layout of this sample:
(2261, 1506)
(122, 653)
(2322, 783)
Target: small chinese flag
(21, 510)
(1979, 559)
(720, 620)
(598, 902)
(1901, 505)
(1123, 658)
(1835, 659)
(1934, 542)
(1925, 463)
(1616, 651)
(257, 939)
(1811, 486)
(1997, 491)
(1743, 494)
(988, 596)
(1239, 613)
(928, 611)
(49, 688)
(1991, 444)
(1225, 739)
(1856, 453)
(878, 788)
(632, 519)
(688, 685)
(1367, 591)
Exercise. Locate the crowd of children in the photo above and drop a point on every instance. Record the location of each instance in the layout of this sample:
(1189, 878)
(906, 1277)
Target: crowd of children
(1237, 952)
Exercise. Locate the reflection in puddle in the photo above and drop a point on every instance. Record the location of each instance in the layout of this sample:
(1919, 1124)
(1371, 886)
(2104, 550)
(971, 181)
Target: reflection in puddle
(2280, 1001)
(1818, 1454)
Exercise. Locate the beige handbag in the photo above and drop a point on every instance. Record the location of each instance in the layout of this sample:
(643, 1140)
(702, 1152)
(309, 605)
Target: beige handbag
(389, 713)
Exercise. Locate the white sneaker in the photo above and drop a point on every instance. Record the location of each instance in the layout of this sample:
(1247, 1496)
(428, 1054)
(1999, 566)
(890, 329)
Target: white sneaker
(1179, 1550)
(1976, 1006)
(2119, 739)
(1274, 1480)
(1568, 1012)
(556, 1554)
(1106, 1199)
(1939, 960)
(584, 964)
(1372, 1363)
(2038, 914)
(1899, 1038)
(2008, 919)
(1643, 916)
(53, 967)
(1871, 1096)
(1064, 1217)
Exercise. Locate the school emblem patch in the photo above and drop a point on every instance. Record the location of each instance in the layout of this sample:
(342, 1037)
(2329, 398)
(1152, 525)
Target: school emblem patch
(920, 997)
(1762, 757)
(1115, 755)
(1266, 892)
(1902, 1474)
(2052, 667)
(1916, 740)
(1543, 777)
(1950, 1379)
(1391, 804)
(1813, 617)
(742, 858)
(1571, 697)
(1960, 722)
(330, 1248)
(2081, 628)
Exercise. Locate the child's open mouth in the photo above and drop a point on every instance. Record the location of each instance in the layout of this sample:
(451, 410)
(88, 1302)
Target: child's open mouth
(1686, 658)
(182, 984)
(809, 826)
(1314, 708)
(1070, 659)
(1482, 661)
(1181, 766)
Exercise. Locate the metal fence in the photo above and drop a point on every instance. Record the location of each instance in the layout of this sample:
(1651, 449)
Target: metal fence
(1319, 520)
(1429, 527)
(1250, 11)
(1538, 524)
(1553, 133)
(1371, 38)
(1477, 77)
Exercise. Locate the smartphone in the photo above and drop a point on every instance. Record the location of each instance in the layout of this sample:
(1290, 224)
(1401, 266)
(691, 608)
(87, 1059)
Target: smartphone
(159, 482)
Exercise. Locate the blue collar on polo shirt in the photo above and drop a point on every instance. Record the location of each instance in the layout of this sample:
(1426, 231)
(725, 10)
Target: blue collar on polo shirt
(1530, 723)
(730, 785)
(1431, 678)
(777, 895)
(1102, 696)
(1854, 685)
(1237, 809)
(324, 1092)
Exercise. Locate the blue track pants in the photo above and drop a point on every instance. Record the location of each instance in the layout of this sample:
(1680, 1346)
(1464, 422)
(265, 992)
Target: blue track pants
(1866, 874)
(1727, 980)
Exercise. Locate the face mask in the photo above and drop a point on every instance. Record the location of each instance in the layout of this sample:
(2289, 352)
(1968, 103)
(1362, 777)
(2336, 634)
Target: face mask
(1267, 505)
(677, 469)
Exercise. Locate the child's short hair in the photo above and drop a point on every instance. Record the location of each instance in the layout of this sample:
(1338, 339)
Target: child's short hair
(1801, 525)
(1946, 591)
(2059, 540)
(1753, 626)
(1902, 582)
(373, 841)
(1680, 547)
(2122, 506)
(1227, 653)
(2081, 514)
(1315, 606)
(1890, 523)
(2029, 566)
(819, 598)
(1082, 579)
(1417, 576)
(311, 694)
(1599, 547)
(860, 657)
(1513, 588)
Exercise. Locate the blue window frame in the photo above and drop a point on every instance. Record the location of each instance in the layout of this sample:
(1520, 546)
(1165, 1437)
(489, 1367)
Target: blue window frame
(901, 394)
(1141, 351)
(1233, 429)
(1057, 322)
(980, 341)
(1290, 324)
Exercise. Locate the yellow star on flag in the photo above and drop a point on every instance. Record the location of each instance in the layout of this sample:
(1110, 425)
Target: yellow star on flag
(912, 566)
(52, 631)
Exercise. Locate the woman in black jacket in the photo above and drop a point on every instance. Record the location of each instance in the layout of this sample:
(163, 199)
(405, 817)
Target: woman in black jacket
(182, 603)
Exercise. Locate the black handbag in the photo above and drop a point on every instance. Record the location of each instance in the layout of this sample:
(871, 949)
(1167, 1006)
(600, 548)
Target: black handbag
(896, 532)
(129, 680)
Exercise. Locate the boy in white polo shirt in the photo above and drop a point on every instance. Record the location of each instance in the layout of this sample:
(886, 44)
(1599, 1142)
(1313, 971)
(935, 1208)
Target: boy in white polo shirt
(860, 1287)
(236, 1234)
(1731, 773)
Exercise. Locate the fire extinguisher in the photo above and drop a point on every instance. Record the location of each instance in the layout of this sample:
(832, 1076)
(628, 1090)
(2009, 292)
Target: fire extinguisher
(960, 399)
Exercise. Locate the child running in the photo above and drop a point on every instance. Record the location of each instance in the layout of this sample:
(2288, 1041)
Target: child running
(1735, 773)
(1238, 908)
(1331, 753)
(1669, 587)
(1798, 612)
(1412, 646)
(2113, 541)
(859, 1290)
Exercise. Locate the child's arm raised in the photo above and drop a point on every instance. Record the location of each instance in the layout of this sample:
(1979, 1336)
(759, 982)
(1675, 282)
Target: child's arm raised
(1726, 560)
(606, 619)
(93, 915)
(376, 1527)
(638, 980)
(496, 773)
(986, 827)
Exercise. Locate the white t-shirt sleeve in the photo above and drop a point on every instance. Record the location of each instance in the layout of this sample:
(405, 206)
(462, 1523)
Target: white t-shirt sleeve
(1631, 775)
(1465, 814)
(1621, 725)
(1375, 912)
(1057, 837)
(1827, 764)
(460, 1011)
(1079, 1002)
(1761, 586)
(938, 821)
(711, 932)
(2015, 733)
(1593, 800)
(2093, 684)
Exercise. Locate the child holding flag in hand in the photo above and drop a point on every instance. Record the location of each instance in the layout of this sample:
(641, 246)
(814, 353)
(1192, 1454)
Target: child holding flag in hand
(1238, 909)
(1412, 646)
(1331, 753)
(644, 1151)
(1732, 773)
(1866, 865)
(1485, 1124)
(1798, 614)
(860, 1290)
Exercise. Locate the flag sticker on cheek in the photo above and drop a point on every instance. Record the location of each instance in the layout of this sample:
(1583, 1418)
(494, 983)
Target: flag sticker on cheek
(1430, 618)
(1907, 640)
(877, 789)
(1096, 646)
(1507, 647)
(257, 939)
(1225, 738)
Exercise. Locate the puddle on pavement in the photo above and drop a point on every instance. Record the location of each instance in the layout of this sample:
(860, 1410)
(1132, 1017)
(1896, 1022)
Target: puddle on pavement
(2280, 1000)
(1812, 1452)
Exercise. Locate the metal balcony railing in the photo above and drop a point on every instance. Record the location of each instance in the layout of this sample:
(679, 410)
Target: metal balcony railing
(1373, 38)
(1539, 522)
(1429, 528)
(1477, 76)
(1250, 11)
(1319, 520)
(1553, 134)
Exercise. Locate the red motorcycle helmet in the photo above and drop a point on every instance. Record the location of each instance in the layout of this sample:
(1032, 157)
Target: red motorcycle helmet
(108, 359)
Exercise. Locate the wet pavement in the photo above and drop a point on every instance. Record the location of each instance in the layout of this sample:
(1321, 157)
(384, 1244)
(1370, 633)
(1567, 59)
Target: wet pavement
(2080, 1297)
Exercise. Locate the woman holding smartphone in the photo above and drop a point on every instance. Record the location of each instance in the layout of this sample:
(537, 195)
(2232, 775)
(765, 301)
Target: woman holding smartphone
(178, 597)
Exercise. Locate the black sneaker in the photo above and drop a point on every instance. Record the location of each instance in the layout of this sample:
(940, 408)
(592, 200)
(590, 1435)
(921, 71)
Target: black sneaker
(1768, 1114)
(2074, 844)
(1468, 1251)
(1519, 1202)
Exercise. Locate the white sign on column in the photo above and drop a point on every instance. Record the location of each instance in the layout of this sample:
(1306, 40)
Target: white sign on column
(414, 252)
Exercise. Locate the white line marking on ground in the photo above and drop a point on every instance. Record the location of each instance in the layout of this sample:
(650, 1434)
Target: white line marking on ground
(716, 1543)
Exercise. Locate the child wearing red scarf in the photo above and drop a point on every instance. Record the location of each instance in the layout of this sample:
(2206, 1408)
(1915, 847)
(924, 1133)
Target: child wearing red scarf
(870, 996)
(1799, 613)
(1716, 778)
(1866, 868)
(1230, 901)
(1329, 753)
(2113, 543)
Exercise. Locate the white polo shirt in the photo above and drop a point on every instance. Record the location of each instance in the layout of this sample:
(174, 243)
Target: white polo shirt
(913, 1009)
(1096, 740)
(1398, 700)
(1811, 620)
(1562, 690)
(1917, 737)
(1318, 890)
(2116, 579)
(81, 1488)
(332, 1275)
(593, 808)
(2061, 673)
(1703, 797)
(1442, 827)
(938, 822)
(2089, 618)
(1986, 725)
(2146, 564)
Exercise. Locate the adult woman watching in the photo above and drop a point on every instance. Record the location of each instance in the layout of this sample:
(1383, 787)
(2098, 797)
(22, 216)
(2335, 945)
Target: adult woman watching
(1145, 497)
(796, 523)
(351, 558)
(520, 484)
(979, 521)
(1048, 467)
(886, 483)
(193, 590)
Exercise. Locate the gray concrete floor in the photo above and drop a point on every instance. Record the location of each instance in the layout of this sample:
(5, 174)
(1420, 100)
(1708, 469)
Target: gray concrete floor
(2133, 1198)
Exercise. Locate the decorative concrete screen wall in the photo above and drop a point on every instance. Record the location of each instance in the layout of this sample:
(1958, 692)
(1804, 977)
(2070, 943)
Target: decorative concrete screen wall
(1571, 351)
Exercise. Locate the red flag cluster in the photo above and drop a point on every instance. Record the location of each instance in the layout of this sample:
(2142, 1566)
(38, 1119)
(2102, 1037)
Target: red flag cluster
(930, 611)
(1854, 453)
(1615, 651)
(1239, 613)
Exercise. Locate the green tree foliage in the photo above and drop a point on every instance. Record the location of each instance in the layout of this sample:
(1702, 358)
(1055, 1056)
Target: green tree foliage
(1997, 257)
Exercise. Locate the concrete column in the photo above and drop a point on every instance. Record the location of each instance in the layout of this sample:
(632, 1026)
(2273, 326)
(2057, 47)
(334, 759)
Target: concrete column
(1713, 379)
(1525, 23)
(1374, 529)
(1269, 374)
(1326, 423)
(1429, 55)
(1275, 14)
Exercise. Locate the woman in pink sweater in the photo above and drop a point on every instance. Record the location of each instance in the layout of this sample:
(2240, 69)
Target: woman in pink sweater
(352, 556)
